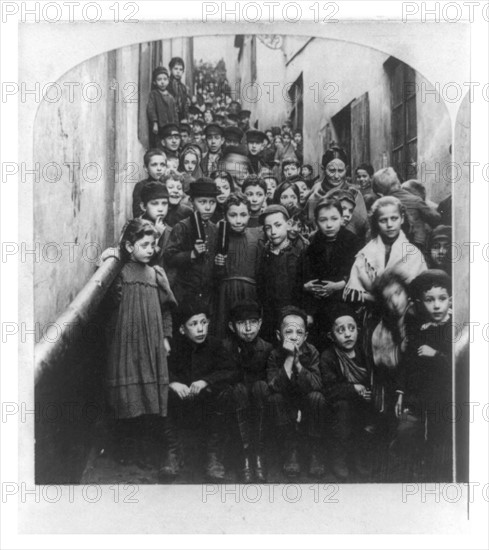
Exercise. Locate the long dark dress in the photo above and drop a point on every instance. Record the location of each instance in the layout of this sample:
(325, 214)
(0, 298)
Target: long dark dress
(137, 371)
(238, 277)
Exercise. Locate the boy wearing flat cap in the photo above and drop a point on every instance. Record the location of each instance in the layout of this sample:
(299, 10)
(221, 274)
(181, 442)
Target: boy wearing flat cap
(233, 136)
(191, 250)
(251, 354)
(169, 135)
(244, 120)
(214, 137)
(162, 107)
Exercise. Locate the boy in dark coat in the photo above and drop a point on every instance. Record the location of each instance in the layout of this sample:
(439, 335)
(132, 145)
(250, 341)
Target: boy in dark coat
(202, 375)
(155, 166)
(425, 377)
(214, 136)
(162, 107)
(277, 270)
(294, 382)
(177, 88)
(251, 355)
(193, 256)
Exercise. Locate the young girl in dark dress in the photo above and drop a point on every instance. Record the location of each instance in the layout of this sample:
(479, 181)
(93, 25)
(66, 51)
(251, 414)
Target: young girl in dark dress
(324, 266)
(141, 327)
(239, 273)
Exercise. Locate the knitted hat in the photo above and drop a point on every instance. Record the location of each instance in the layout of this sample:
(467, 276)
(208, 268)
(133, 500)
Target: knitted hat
(189, 308)
(157, 71)
(152, 191)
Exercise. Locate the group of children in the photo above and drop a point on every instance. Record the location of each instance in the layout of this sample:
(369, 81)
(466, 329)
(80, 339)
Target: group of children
(254, 299)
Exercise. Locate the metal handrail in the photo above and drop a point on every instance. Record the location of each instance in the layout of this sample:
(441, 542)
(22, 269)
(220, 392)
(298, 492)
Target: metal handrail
(75, 317)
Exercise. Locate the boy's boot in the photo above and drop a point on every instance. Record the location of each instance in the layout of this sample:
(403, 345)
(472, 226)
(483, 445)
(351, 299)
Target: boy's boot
(316, 465)
(242, 416)
(214, 469)
(292, 467)
(260, 472)
(173, 459)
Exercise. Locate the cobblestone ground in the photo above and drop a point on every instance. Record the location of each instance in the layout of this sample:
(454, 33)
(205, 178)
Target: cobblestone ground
(105, 466)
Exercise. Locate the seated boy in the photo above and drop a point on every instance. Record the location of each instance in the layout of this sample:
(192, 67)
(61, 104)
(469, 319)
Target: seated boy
(250, 352)
(201, 375)
(177, 210)
(256, 191)
(277, 268)
(294, 382)
(346, 386)
(155, 166)
(191, 254)
(425, 377)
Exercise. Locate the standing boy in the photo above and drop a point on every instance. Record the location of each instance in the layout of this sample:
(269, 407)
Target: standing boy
(162, 107)
(193, 256)
(154, 204)
(177, 88)
(294, 382)
(214, 137)
(256, 191)
(201, 375)
(255, 140)
(425, 379)
(277, 271)
(155, 166)
(251, 353)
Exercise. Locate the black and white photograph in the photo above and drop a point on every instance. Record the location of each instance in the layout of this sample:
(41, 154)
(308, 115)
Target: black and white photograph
(245, 258)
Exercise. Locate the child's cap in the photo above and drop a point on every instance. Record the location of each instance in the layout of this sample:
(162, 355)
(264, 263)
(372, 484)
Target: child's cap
(194, 110)
(430, 279)
(168, 129)
(233, 117)
(153, 191)
(335, 312)
(273, 209)
(188, 308)
(185, 128)
(203, 187)
(441, 233)
(291, 310)
(384, 180)
(255, 136)
(289, 161)
(244, 310)
(341, 195)
(244, 113)
(199, 122)
(213, 129)
(159, 70)
(233, 132)
(276, 131)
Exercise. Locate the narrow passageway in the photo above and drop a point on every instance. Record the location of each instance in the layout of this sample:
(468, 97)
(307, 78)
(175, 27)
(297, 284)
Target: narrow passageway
(251, 223)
